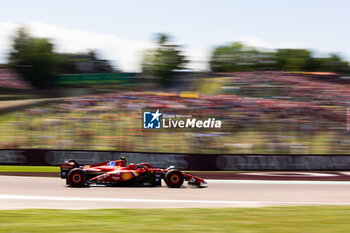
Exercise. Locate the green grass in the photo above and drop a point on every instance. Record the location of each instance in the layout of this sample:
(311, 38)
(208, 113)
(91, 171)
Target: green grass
(273, 219)
(29, 169)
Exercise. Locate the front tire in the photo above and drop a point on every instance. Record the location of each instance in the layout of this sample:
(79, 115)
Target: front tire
(76, 178)
(174, 178)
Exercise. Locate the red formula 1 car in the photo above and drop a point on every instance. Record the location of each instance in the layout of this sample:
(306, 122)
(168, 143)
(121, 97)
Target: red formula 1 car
(118, 173)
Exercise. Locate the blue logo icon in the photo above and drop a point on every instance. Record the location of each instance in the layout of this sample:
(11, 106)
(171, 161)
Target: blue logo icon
(151, 120)
(111, 164)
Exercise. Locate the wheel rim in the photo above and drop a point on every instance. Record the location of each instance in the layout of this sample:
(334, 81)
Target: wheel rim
(76, 178)
(175, 179)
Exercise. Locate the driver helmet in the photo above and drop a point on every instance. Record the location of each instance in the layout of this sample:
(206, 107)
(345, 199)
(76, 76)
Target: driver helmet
(123, 161)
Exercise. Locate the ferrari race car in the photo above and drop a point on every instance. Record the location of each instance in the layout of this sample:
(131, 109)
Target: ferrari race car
(118, 173)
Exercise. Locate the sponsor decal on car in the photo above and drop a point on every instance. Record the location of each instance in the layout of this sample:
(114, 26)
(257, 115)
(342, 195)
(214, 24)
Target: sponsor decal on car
(126, 176)
(116, 178)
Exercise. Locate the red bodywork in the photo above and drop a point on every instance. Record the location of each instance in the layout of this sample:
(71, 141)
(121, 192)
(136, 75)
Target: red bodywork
(117, 172)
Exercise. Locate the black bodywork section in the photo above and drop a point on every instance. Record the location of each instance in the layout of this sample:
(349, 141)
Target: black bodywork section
(143, 180)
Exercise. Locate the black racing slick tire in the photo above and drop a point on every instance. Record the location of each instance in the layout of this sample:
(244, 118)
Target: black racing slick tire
(174, 178)
(76, 178)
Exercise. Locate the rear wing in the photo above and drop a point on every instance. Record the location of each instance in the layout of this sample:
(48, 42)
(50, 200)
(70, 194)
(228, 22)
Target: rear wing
(66, 167)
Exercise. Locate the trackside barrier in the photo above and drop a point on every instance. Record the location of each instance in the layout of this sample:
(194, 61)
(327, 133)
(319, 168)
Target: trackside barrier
(196, 162)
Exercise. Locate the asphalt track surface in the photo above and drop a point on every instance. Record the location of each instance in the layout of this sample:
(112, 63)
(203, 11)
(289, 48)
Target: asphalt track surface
(52, 193)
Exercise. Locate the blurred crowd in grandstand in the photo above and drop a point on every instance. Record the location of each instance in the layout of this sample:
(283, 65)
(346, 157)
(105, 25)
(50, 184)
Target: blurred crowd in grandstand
(262, 112)
(9, 79)
(269, 101)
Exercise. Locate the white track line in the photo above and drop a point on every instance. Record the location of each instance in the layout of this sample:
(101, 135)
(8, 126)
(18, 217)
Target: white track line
(279, 182)
(98, 199)
(224, 181)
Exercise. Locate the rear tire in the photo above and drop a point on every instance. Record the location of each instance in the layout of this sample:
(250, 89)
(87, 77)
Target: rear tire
(174, 178)
(76, 178)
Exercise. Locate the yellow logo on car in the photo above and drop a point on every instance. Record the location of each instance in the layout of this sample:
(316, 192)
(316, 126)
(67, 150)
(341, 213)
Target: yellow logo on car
(126, 176)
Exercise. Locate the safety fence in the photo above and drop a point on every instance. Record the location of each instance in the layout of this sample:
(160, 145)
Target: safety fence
(198, 162)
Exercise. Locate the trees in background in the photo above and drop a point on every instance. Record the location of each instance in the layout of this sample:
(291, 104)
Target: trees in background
(239, 57)
(333, 63)
(163, 60)
(293, 60)
(34, 59)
